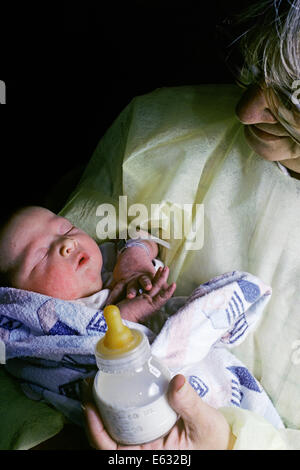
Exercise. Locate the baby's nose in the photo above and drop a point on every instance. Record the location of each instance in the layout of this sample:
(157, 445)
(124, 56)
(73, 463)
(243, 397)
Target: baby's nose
(67, 247)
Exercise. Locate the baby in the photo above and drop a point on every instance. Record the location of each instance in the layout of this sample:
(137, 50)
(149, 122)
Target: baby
(45, 253)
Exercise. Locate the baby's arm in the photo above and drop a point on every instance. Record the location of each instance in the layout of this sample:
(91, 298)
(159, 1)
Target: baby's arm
(142, 306)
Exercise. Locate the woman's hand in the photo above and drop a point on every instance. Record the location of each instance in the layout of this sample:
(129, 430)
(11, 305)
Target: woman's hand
(199, 426)
(133, 271)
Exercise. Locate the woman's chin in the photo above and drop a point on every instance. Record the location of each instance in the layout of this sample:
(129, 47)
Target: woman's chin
(271, 151)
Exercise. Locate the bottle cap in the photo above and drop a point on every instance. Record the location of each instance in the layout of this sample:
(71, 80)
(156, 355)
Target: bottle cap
(121, 346)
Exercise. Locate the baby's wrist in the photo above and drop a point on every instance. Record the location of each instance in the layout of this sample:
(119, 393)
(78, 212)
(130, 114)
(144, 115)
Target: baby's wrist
(127, 311)
(148, 246)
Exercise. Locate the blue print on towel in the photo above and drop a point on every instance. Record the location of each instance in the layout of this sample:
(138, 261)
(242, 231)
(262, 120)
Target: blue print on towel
(97, 323)
(61, 328)
(235, 308)
(9, 323)
(251, 291)
(238, 330)
(245, 378)
(198, 385)
(236, 393)
(49, 321)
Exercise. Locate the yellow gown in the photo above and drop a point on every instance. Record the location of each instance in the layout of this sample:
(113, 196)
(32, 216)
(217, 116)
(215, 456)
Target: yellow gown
(184, 145)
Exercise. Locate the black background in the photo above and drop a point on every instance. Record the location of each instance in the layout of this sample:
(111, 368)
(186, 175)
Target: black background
(69, 72)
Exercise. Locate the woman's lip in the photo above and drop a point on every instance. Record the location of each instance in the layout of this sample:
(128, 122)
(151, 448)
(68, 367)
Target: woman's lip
(263, 135)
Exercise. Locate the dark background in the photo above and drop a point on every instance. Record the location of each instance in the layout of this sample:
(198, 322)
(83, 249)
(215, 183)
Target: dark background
(70, 72)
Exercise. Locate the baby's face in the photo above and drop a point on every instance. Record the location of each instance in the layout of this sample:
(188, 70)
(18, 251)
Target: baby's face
(49, 255)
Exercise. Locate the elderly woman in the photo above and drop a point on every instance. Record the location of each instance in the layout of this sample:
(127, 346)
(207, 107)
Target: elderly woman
(185, 146)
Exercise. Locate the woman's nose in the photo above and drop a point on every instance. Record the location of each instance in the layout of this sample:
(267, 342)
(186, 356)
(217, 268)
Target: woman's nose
(253, 107)
(67, 247)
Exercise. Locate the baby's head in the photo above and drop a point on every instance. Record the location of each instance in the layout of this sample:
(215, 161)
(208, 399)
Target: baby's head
(45, 253)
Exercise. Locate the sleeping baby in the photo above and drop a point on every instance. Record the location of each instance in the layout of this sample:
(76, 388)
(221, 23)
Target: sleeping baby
(45, 253)
(56, 281)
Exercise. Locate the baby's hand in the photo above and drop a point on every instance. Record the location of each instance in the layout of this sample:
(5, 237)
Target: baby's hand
(139, 308)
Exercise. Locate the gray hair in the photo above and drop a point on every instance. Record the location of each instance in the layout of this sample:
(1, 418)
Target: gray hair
(272, 43)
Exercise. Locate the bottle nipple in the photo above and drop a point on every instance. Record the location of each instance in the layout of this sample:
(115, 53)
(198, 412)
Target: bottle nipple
(118, 337)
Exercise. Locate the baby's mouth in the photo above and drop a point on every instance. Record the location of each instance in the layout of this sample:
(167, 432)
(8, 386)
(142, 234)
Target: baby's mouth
(81, 260)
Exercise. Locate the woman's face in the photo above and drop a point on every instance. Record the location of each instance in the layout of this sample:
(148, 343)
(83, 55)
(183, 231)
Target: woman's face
(264, 133)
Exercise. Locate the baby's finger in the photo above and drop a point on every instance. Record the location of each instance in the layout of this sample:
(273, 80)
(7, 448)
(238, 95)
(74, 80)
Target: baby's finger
(145, 282)
(160, 280)
(132, 289)
(163, 295)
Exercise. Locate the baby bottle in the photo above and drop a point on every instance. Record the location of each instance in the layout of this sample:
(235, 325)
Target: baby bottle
(131, 385)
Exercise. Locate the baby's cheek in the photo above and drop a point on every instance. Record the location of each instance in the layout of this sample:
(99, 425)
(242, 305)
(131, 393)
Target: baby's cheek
(91, 275)
(61, 284)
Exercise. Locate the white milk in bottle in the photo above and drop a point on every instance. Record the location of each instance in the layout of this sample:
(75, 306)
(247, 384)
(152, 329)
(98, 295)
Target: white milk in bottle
(131, 385)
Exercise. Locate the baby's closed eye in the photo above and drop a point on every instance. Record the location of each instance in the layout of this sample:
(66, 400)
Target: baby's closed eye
(39, 255)
(70, 230)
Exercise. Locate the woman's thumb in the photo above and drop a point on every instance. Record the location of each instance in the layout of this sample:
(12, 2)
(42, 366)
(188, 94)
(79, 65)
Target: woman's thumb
(185, 401)
(205, 425)
(117, 291)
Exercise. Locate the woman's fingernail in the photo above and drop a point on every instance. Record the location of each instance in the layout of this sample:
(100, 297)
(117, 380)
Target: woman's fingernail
(181, 384)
